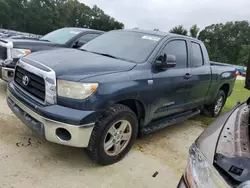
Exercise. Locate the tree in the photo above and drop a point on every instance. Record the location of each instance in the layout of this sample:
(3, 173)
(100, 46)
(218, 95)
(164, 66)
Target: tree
(43, 16)
(224, 41)
(194, 30)
(5, 12)
(101, 21)
(179, 30)
(244, 55)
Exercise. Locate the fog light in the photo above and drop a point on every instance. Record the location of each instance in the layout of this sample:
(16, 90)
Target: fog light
(63, 134)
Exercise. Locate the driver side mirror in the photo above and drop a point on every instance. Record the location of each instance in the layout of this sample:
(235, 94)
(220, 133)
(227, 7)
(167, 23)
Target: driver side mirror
(79, 44)
(164, 62)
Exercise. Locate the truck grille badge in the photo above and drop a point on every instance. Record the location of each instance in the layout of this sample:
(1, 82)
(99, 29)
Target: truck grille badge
(25, 80)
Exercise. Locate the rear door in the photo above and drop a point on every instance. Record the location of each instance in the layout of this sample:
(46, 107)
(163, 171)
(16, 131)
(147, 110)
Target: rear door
(171, 85)
(201, 75)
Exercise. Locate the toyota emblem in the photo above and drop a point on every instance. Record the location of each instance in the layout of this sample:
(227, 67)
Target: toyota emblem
(26, 80)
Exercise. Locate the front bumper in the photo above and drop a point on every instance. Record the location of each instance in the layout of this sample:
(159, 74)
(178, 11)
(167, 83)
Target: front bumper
(7, 65)
(46, 127)
(6, 74)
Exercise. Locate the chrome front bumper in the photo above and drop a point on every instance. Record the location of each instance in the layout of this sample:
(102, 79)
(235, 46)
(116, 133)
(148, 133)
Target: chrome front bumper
(80, 134)
(8, 45)
(7, 73)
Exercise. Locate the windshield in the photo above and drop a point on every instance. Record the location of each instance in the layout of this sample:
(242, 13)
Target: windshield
(61, 36)
(125, 45)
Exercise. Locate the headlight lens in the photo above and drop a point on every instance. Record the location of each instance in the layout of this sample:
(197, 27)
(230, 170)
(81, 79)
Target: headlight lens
(18, 53)
(200, 173)
(75, 90)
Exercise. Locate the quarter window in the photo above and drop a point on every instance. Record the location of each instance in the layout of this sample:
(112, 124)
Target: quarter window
(197, 59)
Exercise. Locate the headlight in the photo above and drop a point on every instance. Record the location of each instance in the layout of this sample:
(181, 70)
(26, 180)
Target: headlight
(75, 90)
(18, 53)
(200, 173)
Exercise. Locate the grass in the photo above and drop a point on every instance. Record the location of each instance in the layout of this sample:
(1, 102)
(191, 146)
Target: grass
(240, 94)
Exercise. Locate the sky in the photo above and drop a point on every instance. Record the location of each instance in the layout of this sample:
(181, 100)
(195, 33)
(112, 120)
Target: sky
(165, 14)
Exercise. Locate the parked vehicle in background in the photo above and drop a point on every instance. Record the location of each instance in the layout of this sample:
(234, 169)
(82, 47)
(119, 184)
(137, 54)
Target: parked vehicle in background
(240, 69)
(120, 85)
(6, 33)
(220, 157)
(12, 49)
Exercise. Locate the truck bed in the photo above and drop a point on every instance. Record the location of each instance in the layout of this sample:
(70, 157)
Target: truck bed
(213, 63)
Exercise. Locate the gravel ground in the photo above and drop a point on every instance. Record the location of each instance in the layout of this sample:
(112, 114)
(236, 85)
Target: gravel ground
(26, 161)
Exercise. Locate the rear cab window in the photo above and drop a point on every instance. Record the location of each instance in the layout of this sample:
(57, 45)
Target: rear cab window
(197, 55)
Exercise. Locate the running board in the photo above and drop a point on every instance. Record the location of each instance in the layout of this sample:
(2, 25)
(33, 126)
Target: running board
(160, 124)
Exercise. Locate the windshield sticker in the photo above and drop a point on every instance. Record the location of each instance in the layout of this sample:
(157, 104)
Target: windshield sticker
(74, 32)
(151, 38)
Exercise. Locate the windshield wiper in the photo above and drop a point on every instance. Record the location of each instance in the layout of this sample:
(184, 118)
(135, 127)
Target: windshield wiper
(103, 54)
(44, 40)
(82, 49)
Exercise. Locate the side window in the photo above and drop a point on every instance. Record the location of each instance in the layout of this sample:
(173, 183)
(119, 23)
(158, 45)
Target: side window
(197, 59)
(178, 48)
(88, 37)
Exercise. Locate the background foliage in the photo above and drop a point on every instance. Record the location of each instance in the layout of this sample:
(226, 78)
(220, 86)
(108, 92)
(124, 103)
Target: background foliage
(43, 16)
(227, 43)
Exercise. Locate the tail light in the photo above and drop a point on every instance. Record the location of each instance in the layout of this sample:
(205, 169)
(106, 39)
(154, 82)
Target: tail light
(236, 73)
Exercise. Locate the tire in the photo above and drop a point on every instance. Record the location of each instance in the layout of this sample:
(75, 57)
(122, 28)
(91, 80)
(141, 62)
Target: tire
(211, 110)
(113, 117)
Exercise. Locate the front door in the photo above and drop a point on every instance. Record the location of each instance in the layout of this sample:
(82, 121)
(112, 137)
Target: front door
(171, 85)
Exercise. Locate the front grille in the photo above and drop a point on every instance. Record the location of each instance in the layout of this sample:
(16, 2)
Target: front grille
(3, 53)
(35, 84)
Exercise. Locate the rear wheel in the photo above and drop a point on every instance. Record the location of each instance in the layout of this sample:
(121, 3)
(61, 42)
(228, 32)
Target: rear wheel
(113, 135)
(214, 110)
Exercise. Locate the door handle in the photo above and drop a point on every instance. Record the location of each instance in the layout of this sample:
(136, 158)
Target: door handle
(187, 76)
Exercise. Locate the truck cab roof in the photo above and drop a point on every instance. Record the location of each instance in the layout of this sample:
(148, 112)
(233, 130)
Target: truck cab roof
(150, 32)
(160, 33)
(84, 29)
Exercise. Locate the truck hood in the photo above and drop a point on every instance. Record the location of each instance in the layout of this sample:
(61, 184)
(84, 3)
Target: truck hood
(207, 141)
(232, 154)
(30, 43)
(75, 65)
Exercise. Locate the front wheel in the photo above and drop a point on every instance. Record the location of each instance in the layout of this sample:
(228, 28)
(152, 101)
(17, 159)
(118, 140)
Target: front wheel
(113, 135)
(214, 110)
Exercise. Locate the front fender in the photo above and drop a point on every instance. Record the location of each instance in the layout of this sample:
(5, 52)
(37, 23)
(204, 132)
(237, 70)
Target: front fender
(111, 93)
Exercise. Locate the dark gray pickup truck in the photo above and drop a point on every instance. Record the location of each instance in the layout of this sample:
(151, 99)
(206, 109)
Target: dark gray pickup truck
(12, 49)
(120, 85)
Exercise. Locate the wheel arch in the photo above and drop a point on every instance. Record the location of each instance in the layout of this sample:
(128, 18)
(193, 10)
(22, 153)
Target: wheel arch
(137, 107)
(225, 87)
